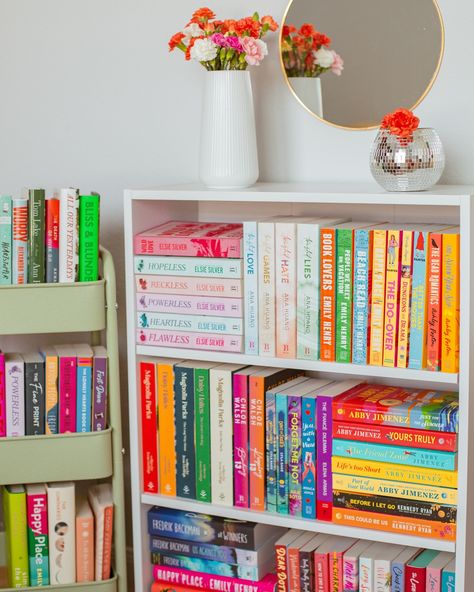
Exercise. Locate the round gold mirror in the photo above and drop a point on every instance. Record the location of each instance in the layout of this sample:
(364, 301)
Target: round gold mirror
(349, 62)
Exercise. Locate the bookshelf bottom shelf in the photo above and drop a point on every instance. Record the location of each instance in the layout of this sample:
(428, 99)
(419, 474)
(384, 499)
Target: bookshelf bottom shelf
(105, 586)
(301, 523)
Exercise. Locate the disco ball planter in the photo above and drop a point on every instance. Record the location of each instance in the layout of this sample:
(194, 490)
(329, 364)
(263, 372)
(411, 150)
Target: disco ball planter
(415, 163)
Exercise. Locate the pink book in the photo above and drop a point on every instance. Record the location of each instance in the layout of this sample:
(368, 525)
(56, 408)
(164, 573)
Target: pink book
(37, 520)
(191, 239)
(185, 304)
(3, 411)
(240, 389)
(204, 341)
(84, 541)
(434, 571)
(336, 550)
(205, 581)
(67, 388)
(224, 287)
(321, 572)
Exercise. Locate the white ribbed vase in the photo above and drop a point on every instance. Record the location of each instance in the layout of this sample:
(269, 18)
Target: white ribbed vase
(308, 91)
(228, 157)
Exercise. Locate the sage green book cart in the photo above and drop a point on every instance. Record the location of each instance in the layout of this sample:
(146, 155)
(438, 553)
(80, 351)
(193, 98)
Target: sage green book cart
(69, 308)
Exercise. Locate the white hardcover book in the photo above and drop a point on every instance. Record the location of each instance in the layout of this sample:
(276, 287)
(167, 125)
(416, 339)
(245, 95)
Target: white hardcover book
(101, 501)
(251, 287)
(266, 288)
(62, 533)
(383, 566)
(15, 391)
(222, 426)
(68, 235)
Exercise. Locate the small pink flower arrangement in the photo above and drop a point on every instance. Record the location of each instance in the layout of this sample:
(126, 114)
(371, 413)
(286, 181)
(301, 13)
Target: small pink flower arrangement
(224, 45)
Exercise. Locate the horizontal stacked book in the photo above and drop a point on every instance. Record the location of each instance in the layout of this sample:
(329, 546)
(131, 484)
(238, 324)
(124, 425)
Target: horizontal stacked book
(56, 390)
(197, 551)
(189, 286)
(49, 240)
(55, 536)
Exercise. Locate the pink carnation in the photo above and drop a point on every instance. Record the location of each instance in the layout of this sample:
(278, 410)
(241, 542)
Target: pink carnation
(219, 39)
(234, 43)
(338, 64)
(255, 50)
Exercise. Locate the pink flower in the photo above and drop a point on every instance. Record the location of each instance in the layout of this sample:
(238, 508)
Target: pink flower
(255, 50)
(338, 64)
(234, 43)
(219, 39)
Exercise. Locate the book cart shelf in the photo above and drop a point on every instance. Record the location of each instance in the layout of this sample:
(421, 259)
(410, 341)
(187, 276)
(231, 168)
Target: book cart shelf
(35, 309)
(448, 204)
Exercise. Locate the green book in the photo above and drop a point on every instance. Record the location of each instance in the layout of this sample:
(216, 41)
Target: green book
(89, 217)
(14, 510)
(36, 236)
(343, 294)
(202, 434)
(5, 239)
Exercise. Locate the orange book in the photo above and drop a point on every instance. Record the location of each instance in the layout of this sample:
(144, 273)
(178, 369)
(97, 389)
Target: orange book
(328, 294)
(433, 302)
(450, 303)
(84, 541)
(391, 298)
(406, 267)
(377, 298)
(412, 526)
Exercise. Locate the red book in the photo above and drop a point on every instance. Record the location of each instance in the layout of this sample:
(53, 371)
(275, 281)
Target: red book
(149, 427)
(433, 317)
(415, 571)
(328, 295)
(281, 556)
(294, 580)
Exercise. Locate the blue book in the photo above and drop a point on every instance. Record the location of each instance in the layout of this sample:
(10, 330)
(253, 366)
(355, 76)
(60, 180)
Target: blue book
(398, 568)
(308, 451)
(281, 410)
(271, 448)
(448, 579)
(5, 239)
(84, 388)
(361, 296)
(251, 288)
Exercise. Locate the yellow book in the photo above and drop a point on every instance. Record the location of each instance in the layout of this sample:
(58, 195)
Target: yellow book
(51, 368)
(393, 472)
(412, 491)
(405, 298)
(450, 303)
(391, 298)
(377, 300)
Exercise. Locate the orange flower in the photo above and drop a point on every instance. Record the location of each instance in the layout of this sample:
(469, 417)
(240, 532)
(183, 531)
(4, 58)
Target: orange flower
(228, 26)
(320, 39)
(203, 15)
(272, 24)
(176, 40)
(307, 30)
(247, 26)
(401, 123)
(288, 30)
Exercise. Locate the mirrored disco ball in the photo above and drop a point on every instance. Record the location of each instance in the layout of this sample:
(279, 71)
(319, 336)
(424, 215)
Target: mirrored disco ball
(414, 164)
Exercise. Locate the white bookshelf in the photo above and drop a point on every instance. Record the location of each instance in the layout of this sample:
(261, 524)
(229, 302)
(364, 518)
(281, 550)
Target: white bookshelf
(451, 204)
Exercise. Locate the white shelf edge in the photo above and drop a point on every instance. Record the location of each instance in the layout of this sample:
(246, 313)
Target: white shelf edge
(441, 378)
(301, 523)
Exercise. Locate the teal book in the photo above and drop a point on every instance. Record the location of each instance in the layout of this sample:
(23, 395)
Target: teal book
(448, 578)
(89, 219)
(36, 237)
(6, 223)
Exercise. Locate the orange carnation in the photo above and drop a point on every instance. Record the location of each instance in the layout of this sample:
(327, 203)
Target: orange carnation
(272, 24)
(228, 26)
(203, 15)
(401, 123)
(320, 39)
(288, 30)
(176, 40)
(307, 30)
(247, 26)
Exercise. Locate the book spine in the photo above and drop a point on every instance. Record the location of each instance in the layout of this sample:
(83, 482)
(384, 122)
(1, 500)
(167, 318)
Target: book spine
(62, 534)
(382, 573)
(321, 572)
(395, 436)
(226, 288)
(306, 571)
(241, 440)
(285, 268)
(20, 241)
(366, 577)
(189, 266)
(433, 313)
(38, 547)
(328, 294)
(184, 424)
(15, 516)
(99, 393)
(89, 214)
(68, 235)
(212, 306)
(15, 400)
(391, 299)
(415, 578)
(84, 394)
(107, 547)
(448, 581)
(266, 289)
(167, 436)
(294, 569)
(67, 394)
(192, 323)
(3, 400)
(85, 549)
(281, 407)
(202, 432)
(294, 455)
(377, 304)
(217, 568)
(451, 303)
(204, 341)
(406, 264)
(36, 237)
(415, 526)
(336, 572)
(251, 288)
(362, 268)
(149, 427)
(417, 353)
(281, 558)
(256, 443)
(52, 240)
(164, 587)
(350, 567)
(270, 450)
(344, 240)
(323, 458)
(6, 219)
(307, 296)
(183, 246)
(34, 399)
(398, 576)
(308, 453)
(433, 579)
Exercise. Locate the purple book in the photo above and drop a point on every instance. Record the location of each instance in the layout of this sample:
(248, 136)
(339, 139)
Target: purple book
(99, 389)
(3, 411)
(324, 445)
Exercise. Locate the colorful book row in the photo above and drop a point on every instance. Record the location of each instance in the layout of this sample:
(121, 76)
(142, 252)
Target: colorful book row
(58, 390)
(56, 538)
(49, 240)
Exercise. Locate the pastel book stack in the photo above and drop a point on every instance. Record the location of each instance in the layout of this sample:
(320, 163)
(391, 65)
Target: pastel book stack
(197, 551)
(394, 460)
(189, 286)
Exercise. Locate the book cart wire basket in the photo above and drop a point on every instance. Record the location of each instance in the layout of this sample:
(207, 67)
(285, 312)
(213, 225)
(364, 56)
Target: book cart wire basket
(144, 209)
(67, 308)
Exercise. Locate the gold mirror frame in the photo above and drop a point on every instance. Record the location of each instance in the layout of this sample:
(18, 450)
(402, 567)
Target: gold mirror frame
(371, 127)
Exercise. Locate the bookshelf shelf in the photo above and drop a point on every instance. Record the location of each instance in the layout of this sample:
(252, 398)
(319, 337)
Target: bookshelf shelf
(105, 586)
(447, 204)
